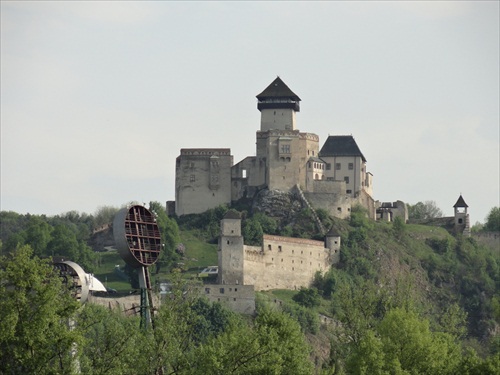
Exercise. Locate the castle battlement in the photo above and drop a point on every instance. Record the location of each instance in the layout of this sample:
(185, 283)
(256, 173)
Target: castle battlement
(292, 240)
(205, 151)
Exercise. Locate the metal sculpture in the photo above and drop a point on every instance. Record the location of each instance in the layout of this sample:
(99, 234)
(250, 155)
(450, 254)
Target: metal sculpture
(78, 282)
(138, 241)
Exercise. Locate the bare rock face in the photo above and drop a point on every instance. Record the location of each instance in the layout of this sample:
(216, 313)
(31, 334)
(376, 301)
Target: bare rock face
(277, 204)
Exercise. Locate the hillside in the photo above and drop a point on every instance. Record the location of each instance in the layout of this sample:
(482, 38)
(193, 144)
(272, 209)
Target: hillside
(442, 276)
(442, 287)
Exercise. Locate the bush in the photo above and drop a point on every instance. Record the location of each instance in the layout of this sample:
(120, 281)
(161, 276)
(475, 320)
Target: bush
(307, 297)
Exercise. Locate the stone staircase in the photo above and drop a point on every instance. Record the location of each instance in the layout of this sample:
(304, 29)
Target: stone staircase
(319, 224)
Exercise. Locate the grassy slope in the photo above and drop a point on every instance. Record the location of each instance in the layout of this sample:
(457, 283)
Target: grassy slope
(199, 255)
(434, 276)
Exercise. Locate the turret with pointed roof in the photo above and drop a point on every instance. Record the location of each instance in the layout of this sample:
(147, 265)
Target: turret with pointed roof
(460, 203)
(277, 96)
(278, 105)
(462, 223)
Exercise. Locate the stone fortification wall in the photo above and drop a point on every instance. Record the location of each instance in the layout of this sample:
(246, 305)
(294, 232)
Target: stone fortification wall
(337, 205)
(246, 176)
(129, 305)
(388, 211)
(366, 201)
(284, 262)
(239, 298)
(490, 239)
(202, 179)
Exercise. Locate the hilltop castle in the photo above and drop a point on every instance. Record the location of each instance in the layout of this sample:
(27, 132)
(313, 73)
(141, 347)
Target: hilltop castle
(334, 177)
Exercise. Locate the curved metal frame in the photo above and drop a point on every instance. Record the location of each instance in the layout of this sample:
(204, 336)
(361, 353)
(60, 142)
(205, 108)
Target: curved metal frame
(137, 236)
(74, 277)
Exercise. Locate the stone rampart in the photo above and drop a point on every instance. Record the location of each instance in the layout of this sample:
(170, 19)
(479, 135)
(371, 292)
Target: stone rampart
(284, 263)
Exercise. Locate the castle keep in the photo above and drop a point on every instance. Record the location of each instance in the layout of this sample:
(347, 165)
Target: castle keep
(334, 177)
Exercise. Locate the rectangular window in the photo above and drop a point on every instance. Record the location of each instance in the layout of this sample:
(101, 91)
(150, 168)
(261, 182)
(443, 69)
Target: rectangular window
(338, 166)
(348, 191)
(346, 179)
(328, 166)
(221, 290)
(351, 166)
(191, 178)
(285, 149)
(244, 173)
(207, 290)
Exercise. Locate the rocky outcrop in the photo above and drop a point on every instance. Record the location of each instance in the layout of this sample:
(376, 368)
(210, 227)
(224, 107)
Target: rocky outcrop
(277, 204)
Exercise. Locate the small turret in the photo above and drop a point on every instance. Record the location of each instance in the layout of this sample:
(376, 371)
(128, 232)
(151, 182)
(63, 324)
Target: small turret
(332, 242)
(462, 224)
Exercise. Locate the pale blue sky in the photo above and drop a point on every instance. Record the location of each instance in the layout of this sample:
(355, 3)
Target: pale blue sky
(97, 98)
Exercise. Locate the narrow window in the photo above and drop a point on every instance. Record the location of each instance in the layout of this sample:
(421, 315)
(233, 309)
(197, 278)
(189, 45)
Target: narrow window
(351, 166)
(244, 173)
(221, 290)
(337, 166)
(191, 178)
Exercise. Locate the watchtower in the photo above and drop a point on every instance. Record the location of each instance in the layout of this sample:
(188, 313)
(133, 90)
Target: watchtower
(231, 252)
(462, 223)
(278, 105)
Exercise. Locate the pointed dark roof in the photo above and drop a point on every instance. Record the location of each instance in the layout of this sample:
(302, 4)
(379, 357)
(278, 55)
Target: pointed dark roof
(278, 89)
(341, 145)
(332, 233)
(232, 214)
(460, 202)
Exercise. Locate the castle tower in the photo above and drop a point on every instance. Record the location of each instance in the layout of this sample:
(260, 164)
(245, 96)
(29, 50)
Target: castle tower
(462, 223)
(282, 150)
(278, 105)
(231, 250)
(332, 242)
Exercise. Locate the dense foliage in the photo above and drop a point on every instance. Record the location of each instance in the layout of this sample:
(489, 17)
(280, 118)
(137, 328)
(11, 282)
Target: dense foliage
(424, 210)
(43, 331)
(404, 299)
(493, 220)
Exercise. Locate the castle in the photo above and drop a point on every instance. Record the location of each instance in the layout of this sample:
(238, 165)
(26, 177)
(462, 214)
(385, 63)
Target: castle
(334, 177)
(279, 263)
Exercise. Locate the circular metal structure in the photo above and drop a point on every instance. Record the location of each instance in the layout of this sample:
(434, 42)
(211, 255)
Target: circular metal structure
(137, 236)
(75, 278)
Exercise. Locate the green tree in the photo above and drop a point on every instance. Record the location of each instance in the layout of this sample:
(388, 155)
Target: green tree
(112, 342)
(424, 210)
(104, 215)
(274, 345)
(307, 297)
(409, 345)
(252, 232)
(268, 224)
(493, 220)
(35, 337)
(65, 244)
(170, 236)
(38, 235)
